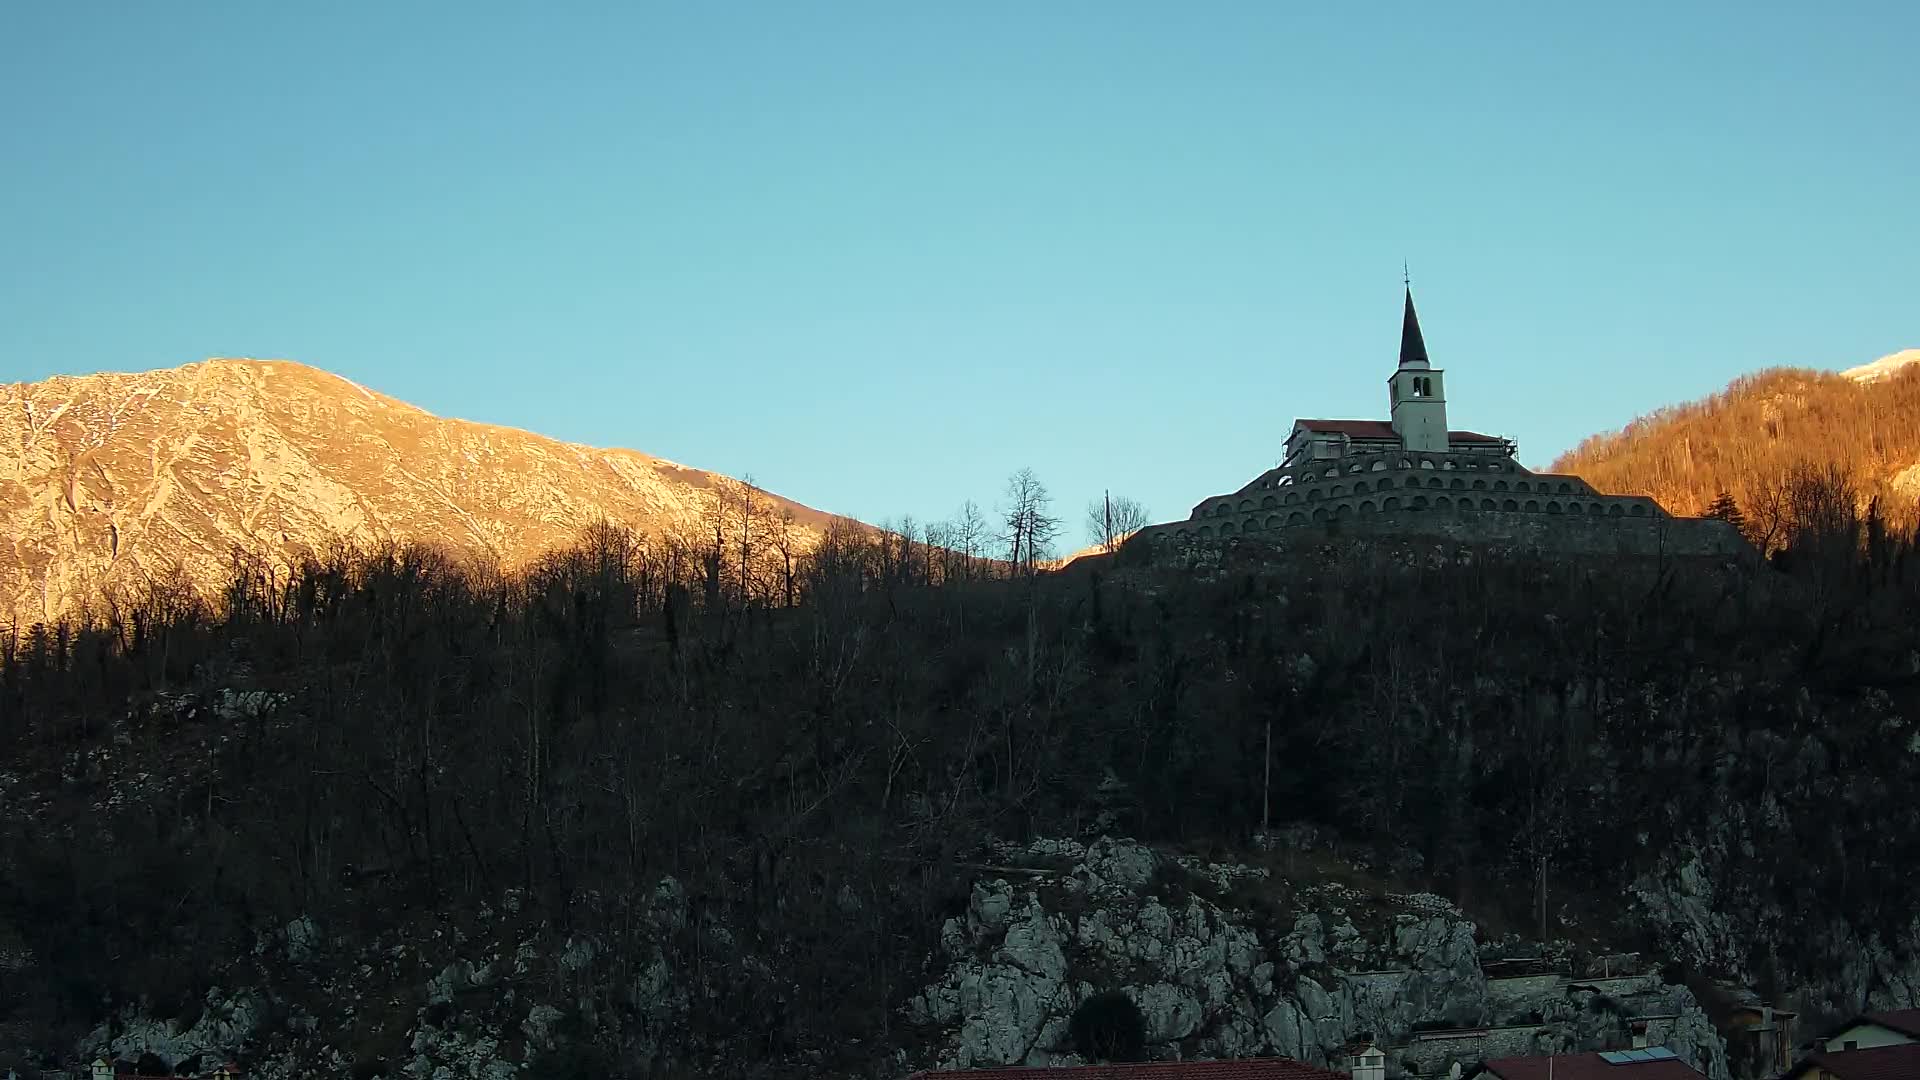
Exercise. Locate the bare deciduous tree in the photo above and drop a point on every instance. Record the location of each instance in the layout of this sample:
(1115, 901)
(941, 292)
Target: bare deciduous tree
(786, 546)
(1029, 528)
(1113, 518)
(970, 538)
(747, 552)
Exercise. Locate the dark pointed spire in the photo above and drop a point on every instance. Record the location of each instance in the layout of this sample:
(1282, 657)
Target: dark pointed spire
(1413, 348)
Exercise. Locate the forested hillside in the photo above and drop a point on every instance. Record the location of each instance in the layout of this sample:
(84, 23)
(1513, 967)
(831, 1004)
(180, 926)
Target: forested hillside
(414, 755)
(1745, 440)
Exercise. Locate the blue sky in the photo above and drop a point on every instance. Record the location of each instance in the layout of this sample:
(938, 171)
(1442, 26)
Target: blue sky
(878, 255)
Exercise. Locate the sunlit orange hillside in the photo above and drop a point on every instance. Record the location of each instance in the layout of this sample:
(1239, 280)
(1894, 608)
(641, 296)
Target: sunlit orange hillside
(118, 479)
(1750, 434)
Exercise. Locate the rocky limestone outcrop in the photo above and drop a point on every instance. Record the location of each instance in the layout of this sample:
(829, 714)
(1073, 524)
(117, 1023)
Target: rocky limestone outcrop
(491, 1002)
(1707, 913)
(1222, 960)
(1215, 982)
(227, 1022)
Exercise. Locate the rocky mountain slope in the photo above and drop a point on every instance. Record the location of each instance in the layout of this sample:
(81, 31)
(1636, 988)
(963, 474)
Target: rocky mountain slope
(1745, 439)
(438, 825)
(1230, 960)
(602, 820)
(1197, 945)
(115, 479)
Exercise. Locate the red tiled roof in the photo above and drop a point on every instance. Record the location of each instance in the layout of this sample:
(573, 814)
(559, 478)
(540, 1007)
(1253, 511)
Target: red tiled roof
(1589, 1067)
(1353, 429)
(1381, 429)
(1901, 1062)
(1904, 1021)
(1245, 1069)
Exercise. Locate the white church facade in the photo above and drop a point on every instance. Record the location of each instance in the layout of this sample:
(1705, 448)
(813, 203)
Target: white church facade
(1412, 473)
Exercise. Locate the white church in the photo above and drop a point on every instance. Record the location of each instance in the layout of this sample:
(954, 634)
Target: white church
(1411, 473)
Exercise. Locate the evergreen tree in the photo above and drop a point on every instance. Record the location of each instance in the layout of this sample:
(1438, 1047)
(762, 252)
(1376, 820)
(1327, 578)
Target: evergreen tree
(1727, 510)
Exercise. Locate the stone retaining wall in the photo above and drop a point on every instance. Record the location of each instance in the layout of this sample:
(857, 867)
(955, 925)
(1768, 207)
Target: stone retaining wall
(1510, 998)
(1541, 532)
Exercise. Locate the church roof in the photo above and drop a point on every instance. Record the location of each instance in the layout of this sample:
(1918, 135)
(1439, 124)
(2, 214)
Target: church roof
(1353, 429)
(1413, 347)
(1381, 429)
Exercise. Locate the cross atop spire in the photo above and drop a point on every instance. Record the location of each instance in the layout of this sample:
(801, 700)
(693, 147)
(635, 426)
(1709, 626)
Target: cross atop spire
(1413, 348)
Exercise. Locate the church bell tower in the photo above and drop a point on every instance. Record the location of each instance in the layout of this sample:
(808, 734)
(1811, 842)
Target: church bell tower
(1417, 390)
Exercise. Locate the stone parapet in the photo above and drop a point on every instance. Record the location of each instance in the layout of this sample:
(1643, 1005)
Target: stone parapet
(1545, 532)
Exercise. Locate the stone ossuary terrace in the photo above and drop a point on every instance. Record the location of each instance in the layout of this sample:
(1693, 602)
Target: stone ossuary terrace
(1412, 475)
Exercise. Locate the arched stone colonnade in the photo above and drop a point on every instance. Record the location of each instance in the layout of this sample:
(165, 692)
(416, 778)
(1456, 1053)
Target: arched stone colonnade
(1465, 484)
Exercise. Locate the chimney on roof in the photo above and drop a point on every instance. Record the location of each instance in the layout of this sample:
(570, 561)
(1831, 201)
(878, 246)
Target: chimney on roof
(1365, 1061)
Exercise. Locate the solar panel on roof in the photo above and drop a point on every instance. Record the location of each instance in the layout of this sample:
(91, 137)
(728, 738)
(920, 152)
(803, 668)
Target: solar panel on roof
(1631, 1057)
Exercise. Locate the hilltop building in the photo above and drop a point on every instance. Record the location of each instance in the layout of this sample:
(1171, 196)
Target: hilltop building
(1412, 474)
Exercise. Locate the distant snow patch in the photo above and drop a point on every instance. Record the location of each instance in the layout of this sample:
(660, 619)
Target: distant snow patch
(364, 392)
(1884, 368)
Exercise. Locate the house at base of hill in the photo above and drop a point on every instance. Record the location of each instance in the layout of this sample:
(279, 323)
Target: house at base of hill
(1872, 1046)
(1898, 1027)
(1896, 1062)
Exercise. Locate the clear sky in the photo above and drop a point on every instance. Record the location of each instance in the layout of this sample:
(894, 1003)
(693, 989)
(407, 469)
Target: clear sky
(878, 255)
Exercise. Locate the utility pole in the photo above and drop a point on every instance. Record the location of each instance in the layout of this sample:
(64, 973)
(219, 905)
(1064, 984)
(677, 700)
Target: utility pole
(1543, 908)
(1266, 786)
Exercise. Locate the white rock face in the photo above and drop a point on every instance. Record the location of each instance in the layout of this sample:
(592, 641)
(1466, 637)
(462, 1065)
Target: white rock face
(539, 1025)
(1004, 1002)
(302, 936)
(1112, 867)
(226, 1023)
(248, 704)
(1210, 983)
(1688, 901)
(452, 979)
(1680, 898)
